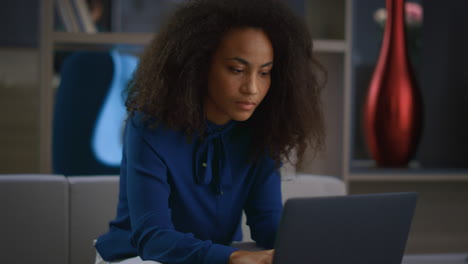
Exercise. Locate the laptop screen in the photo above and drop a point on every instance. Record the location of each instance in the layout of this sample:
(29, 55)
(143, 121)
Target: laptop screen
(353, 229)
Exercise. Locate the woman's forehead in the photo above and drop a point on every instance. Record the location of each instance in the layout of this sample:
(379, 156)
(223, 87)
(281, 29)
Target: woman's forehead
(249, 45)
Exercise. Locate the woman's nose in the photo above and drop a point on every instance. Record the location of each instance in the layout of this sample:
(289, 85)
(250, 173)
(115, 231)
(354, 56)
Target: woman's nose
(250, 86)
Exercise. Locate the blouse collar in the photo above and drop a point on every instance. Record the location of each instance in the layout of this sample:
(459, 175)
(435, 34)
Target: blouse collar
(211, 163)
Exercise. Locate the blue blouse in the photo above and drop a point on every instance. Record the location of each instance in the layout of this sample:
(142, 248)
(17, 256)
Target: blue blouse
(181, 200)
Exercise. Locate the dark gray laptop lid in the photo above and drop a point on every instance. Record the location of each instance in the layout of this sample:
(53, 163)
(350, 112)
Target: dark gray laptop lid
(353, 229)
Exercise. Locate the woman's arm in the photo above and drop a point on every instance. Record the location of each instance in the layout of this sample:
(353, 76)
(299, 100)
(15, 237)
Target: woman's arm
(264, 204)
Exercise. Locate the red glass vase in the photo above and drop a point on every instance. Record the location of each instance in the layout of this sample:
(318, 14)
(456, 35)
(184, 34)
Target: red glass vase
(393, 107)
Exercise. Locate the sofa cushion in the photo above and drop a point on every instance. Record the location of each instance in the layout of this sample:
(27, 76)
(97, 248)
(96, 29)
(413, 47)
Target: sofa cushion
(93, 203)
(308, 185)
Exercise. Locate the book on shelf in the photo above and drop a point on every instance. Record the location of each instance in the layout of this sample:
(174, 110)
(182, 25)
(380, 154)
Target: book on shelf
(84, 16)
(67, 15)
(75, 16)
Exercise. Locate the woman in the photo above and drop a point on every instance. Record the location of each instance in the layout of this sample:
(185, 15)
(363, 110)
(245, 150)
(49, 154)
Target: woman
(224, 92)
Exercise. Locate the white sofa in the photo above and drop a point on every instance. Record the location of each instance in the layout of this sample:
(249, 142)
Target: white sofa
(53, 219)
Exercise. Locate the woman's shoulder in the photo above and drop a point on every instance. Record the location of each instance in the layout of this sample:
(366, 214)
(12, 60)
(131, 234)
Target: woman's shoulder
(152, 130)
(141, 120)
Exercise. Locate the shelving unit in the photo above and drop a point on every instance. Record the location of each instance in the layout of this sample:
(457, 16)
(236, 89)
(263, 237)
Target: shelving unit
(331, 46)
(329, 22)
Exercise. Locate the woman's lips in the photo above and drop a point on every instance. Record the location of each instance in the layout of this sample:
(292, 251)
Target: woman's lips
(246, 105)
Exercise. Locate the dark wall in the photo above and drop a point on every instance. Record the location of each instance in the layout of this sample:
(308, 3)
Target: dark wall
(19, 23)
(445, 85)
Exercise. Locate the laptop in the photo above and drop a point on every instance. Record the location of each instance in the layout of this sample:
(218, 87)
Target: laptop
(353, 229)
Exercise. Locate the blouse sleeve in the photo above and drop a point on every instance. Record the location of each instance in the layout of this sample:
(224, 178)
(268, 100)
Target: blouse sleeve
(148, 191)
(264, 204)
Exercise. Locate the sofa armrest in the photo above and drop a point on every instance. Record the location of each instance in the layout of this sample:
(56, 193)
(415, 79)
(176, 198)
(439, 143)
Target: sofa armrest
(34, 220)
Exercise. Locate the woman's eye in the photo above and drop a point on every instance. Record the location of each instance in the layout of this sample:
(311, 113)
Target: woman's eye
(265, 73)
(236, 70)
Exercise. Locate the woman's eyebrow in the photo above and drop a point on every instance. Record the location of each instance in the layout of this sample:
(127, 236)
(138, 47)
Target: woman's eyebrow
(240, 60)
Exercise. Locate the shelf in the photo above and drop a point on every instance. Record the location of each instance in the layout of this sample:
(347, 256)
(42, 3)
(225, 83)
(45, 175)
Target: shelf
(64, 38)
(365, 171)
(408, 177)
(72, 41)
(447, 258)
(329, 45)
(80, 41)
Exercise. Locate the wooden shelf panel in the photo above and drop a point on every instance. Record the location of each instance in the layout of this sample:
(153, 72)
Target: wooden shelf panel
(330, 45)
(408, 177)
(367, 171)
(64, 38)
(85, 41)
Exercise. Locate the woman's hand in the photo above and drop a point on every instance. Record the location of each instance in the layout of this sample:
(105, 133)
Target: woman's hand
(251, 257)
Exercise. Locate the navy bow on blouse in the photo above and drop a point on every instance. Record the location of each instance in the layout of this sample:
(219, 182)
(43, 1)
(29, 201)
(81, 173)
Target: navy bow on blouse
(211, 163)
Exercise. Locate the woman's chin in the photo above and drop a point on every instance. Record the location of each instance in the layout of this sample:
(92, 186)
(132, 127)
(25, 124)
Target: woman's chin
(241, 116)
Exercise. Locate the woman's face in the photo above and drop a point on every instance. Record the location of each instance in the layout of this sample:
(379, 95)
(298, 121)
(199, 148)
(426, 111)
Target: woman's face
(239, 76)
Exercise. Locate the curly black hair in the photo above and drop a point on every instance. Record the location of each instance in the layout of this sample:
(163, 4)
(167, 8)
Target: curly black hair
(171, 80)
